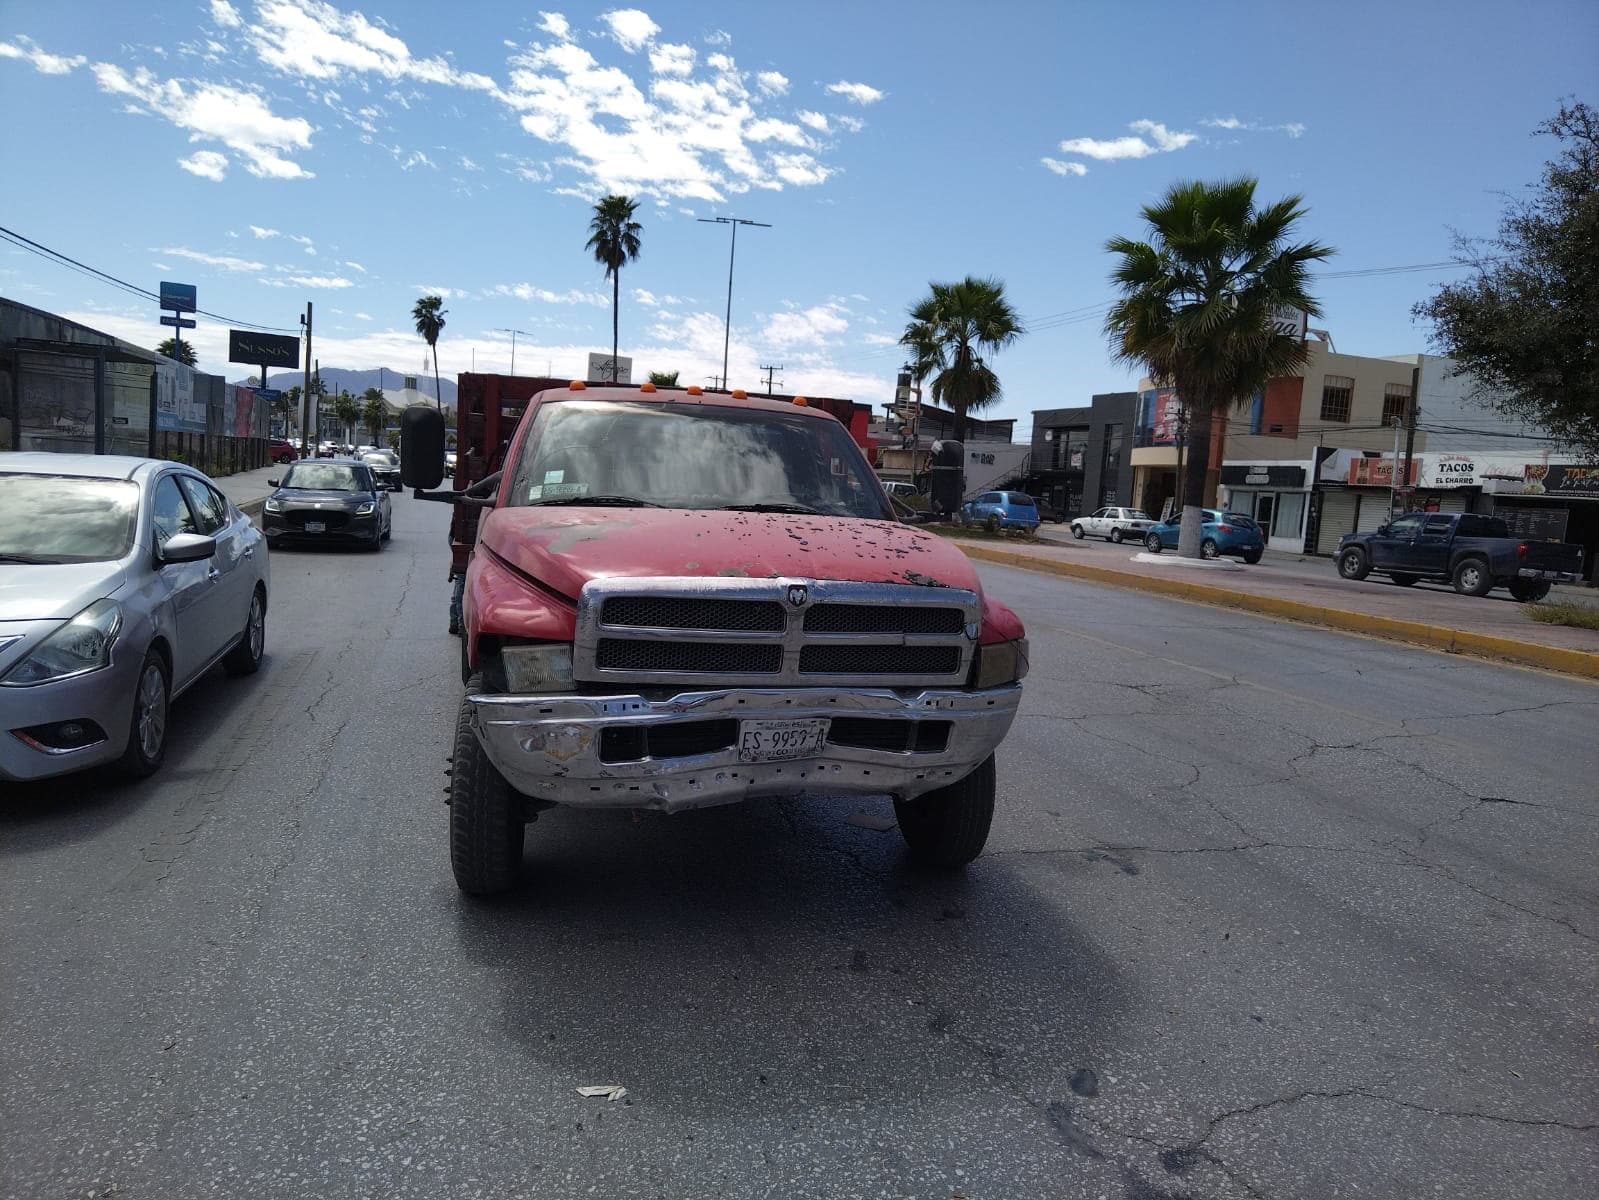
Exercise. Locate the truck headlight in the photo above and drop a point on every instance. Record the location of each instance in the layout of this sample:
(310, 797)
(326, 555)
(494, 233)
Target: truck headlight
(538, 668)
(82, 645)
(1000, 663)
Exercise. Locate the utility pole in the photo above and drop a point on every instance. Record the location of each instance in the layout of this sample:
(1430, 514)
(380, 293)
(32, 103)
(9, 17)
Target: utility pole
(1393, 473)
(715, 381)
(727, 323)
(1410, 419)
(769, 372)
(305, 400)
(513, 333)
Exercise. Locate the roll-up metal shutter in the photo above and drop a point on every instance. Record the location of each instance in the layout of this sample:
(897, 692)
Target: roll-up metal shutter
(1337, 519)
(1373, 511)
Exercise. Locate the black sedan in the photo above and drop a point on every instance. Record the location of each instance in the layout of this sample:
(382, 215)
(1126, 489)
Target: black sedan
(331, 501)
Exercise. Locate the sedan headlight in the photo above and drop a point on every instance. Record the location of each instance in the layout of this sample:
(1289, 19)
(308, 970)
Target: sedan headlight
(546, 668)
(1000, 663)
(367, 508)
(273, 504)
(82, 645)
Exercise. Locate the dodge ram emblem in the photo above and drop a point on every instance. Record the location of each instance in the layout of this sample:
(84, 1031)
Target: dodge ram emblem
(797, 594)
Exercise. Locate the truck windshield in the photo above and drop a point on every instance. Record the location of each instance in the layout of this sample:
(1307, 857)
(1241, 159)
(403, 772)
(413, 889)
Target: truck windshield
(693, 456)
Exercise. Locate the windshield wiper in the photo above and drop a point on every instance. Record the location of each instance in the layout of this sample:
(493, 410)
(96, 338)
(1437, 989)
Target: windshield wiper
(605, 501)
(775, 506)
(34, 559)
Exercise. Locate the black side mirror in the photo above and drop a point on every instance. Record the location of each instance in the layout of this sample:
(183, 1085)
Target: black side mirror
(188, 547)
(274, 483)
(421, 447)
(1382, 531)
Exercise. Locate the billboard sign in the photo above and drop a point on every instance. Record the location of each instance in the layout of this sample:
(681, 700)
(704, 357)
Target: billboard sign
(600, 369)
(177, 408)
(264, 349)
(1165, 416)
(1289, 322)
(178, 297)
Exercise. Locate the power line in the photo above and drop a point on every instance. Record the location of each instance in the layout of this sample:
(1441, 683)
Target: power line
(60, 259)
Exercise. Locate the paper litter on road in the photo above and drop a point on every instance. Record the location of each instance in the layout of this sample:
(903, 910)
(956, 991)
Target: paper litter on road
(611, 1091)
(871, 821)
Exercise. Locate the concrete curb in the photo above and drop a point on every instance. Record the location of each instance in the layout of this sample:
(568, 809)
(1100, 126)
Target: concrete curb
(1435, 637)
(253, 509)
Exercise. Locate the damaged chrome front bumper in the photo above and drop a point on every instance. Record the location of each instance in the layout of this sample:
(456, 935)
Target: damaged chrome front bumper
(575, 750)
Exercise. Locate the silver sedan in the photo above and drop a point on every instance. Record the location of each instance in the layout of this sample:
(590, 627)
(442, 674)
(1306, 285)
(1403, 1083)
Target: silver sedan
(122, 582)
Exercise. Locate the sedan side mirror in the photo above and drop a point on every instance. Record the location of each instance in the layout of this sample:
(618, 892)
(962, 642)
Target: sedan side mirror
(188, 547)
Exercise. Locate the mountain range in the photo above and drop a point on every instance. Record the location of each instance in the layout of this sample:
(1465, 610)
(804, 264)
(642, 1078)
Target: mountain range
(340, 379)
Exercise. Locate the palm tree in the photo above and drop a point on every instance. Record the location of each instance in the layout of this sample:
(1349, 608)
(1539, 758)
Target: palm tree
(954, 331)
(374, 413)
(182, 351)
(663, 378)
(289, 405)
(428, 313)
(614, 239)
(1196, 305)
(347, 411)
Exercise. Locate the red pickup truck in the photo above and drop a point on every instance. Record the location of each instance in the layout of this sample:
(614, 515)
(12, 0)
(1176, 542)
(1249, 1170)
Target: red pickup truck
(679, 599)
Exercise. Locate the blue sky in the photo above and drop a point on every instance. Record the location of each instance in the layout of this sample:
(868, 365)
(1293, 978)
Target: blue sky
(358, 154)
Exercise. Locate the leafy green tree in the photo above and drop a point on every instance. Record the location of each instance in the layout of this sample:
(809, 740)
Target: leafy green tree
(348, 413)
(663, 378)
(614, 239)
(182, 351)
(428, 313)
(953, 334)
(374, 413)
(1196, 305)
(1523, 323)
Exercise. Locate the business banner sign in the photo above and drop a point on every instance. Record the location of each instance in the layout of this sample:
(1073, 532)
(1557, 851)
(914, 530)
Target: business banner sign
(1376, 472)
(177, 409)
(1541, 479)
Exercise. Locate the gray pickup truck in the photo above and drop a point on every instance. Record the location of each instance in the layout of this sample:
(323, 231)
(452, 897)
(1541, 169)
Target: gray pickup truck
(1476, 554)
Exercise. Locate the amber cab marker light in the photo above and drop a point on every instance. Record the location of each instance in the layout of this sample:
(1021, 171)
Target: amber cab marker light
(801, 401)
(577, 385)
(646, 386)
(740, 394)
(694, 389)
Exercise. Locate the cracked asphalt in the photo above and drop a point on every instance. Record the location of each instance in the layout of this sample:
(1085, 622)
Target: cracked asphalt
(1268, 911)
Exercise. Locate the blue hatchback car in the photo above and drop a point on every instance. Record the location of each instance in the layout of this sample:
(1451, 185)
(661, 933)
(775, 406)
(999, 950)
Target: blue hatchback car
(1227, 533)
(1004, 510)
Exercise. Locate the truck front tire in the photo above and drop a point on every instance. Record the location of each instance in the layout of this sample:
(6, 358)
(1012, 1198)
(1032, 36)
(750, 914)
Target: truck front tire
(1472, 577)
(485, 814)
(948, 827)
(1353, 564)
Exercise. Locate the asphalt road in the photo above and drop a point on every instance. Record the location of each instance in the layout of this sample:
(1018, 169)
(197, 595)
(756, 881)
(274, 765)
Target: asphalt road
(1267, 911)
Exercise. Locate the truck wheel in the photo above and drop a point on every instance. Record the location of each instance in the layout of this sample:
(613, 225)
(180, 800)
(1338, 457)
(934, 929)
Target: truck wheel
(1403, 580)
(485, 814)
(1472, 578)
(1528, 591)
(948, 827)
(1077, 532)
(1352, 564)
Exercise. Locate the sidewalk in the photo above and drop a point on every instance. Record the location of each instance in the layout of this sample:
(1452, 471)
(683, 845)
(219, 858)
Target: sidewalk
(249, 490)
(1492, 626)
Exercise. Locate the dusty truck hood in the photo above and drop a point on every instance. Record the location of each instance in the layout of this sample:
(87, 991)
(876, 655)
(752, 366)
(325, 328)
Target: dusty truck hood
(564, 548)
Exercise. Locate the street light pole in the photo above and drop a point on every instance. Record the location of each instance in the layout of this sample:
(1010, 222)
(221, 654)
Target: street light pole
(727, 323)
(513, 333)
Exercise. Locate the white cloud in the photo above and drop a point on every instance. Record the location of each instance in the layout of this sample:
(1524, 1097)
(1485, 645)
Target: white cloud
(467, 164)
(802, 170)
(718, 37)
(771, 83)
(43, 62)
(853, 124)
(1064, 168)
(1293, 129)
(262, 232)
(815, 120)
(856, 93)
(1161, 140)
(646, 298)
(631, 27)
(1223, 123)
(672, 59)
(318, 282)
(880, 339)
(555, 24)
(354, 266)
(433, 289)
(417, 159)
(207, 164)
(363, 316)
(526, 291)
(225, 261)
(769, 129)
(225, 15)
(790, 329)
(313, 39)
(242, 121)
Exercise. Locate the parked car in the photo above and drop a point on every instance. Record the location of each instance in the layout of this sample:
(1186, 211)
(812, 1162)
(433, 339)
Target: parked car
(282, 451)
(1001, 510)
(650, 624)
(1228, 533)
(385, 466)
(122, 582)
(1474, 553)
(1048, 512)
(1114, 525)
(328, 502)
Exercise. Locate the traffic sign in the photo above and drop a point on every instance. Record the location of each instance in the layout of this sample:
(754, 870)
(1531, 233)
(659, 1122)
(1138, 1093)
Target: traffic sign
(178, 322)
(270, 395)
(178, 297)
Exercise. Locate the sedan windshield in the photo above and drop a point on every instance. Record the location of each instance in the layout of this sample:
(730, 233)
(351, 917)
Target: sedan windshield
(693, 456)
(63, 518)
(323, 477)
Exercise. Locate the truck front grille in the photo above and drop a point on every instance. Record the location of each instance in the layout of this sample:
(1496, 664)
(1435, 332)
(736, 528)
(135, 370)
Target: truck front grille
(769, 632)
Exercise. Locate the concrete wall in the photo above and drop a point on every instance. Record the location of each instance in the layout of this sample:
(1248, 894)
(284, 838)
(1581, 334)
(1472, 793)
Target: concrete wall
(1451, 399)
(1363, 430)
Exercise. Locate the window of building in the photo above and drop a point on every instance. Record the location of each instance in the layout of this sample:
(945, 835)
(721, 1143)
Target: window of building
(1395, 403)
(1337, 394)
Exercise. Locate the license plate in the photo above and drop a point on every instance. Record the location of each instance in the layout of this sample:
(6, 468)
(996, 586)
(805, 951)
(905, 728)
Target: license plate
(778, 741)
(315, 526)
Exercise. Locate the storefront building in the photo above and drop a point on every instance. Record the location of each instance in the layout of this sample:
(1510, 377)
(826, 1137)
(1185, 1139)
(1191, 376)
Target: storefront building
(1275, 494)
(1079, 459)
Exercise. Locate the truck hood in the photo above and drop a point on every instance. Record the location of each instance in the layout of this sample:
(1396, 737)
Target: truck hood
(564, 548)
(55, 591)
